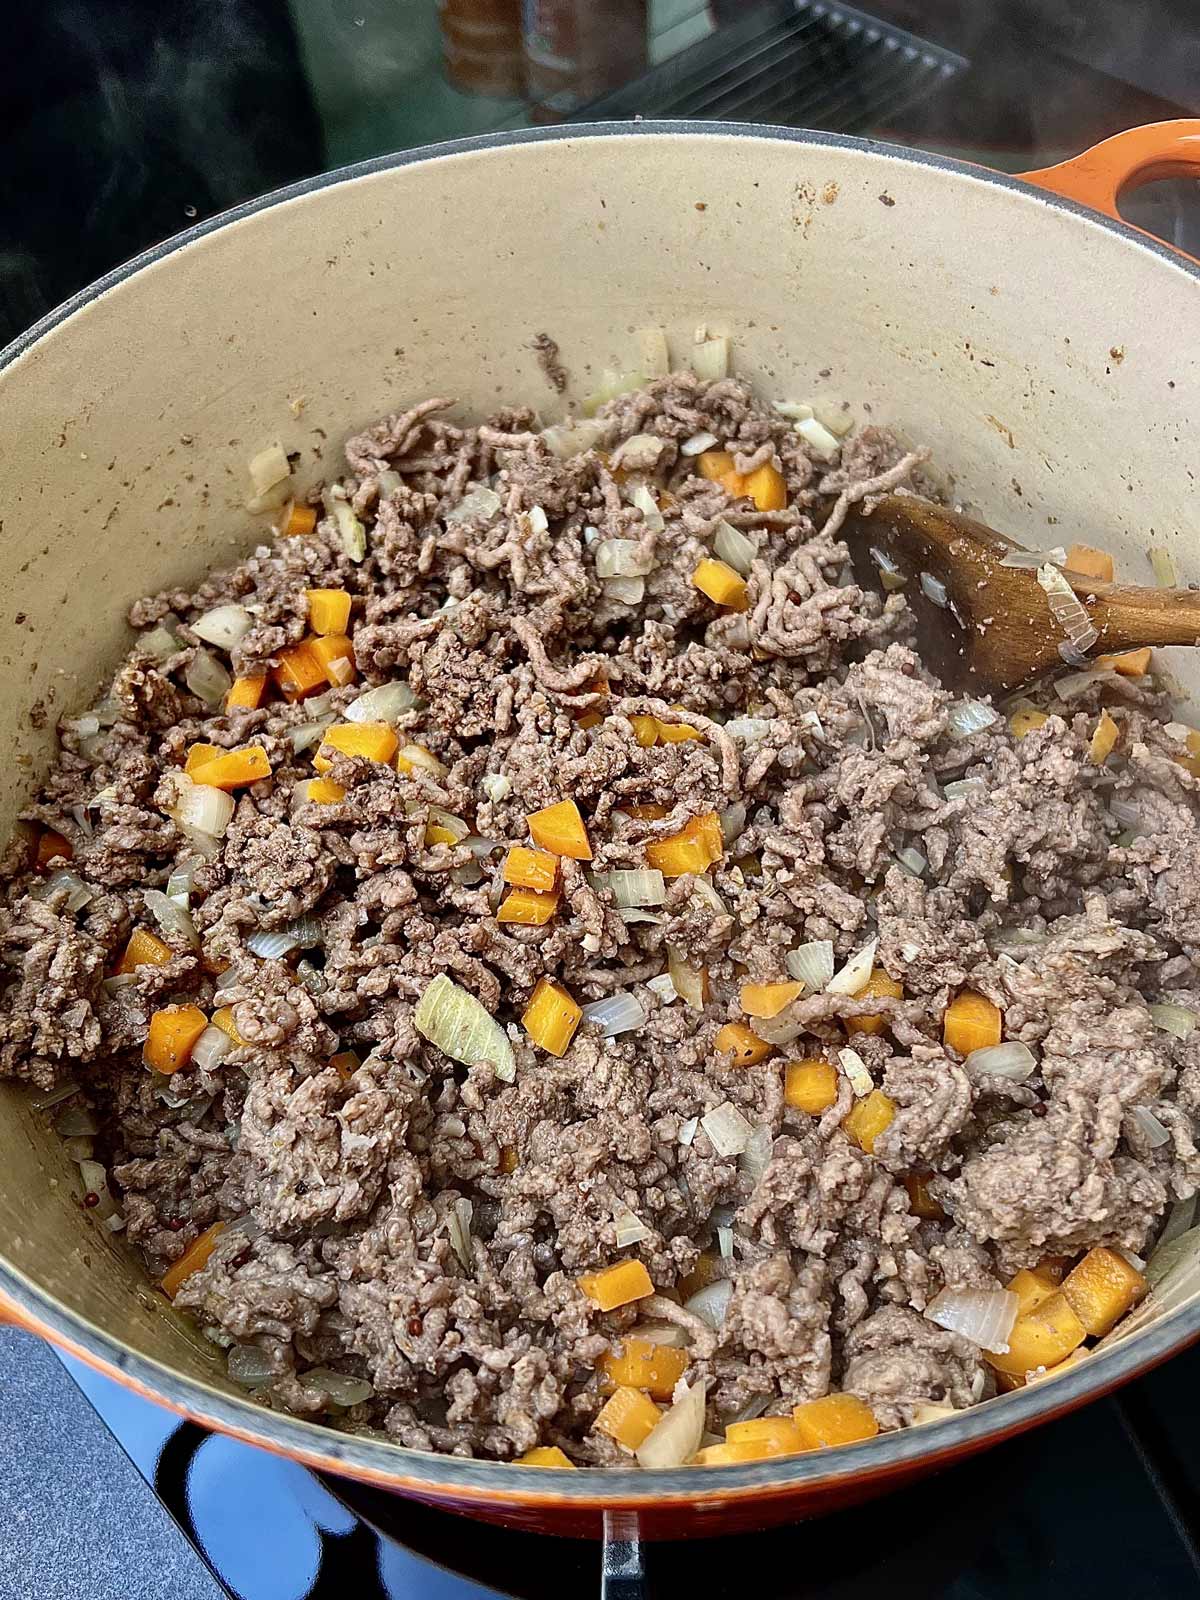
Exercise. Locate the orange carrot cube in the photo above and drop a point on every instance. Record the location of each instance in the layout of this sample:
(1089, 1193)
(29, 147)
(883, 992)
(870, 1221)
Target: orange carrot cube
(173, 1032)
(1025, 721)
(531, 869)
(345, 1064)
(766, 488)
(245, 695)
(694, 849)
(527, 908)
(1040, 1338)
(746, 1048)
(641, 1364)
(618, 1285)
(559, 828)
(879, 986)
(717, 466)
(1030, 1288)
(1086, 560)
(551, 1017)
(234, 768)
(297, 519)
(328, 610)
(299, 671)
(726, 1455)
(51, 846)
(545, 1455)
(676, 732)
(1102, 1288)
(376, 741)
(1130, 663)
(192, 1259)
(199, 755)
(1103, 741)
(144, 950)
(867, 1118)
(628, 1417)
(335, 653)
(971, 1022)
(645, 813)
(810, 1085)
(323, 791)
(645, 730)
(722, 585)
(777, 1436)
(834, 1419)
(769, 999)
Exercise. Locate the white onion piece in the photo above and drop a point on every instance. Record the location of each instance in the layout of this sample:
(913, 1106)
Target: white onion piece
(964, 788)
(698, 443)
(625, 591)
(342, 1389)
(890, 572)
(630, 1229)
(1163, 564)
(269, 467)
(567, 439)
(1150, 1127)
(85, 727)
(930, 1411)
(249, 1366)
(1066, 607)
(856, 1069)
(1176, 1020)
(912, 861)
(688, 980)
(756, 1157)
(456, 1023)
(158, 643)
(635, 914)
(970, 716)
(1125, 812)
(734, 548)
(301, 934)
(78, 893)
(642, 498)
(496, 786)
(384, 703)
(1073, 684)
(211, 1048)
(668, 1333)
(704, 895)
(479, 502)
(77, 1122)
(1138, 1263)
(207, 679)
(985, 1316)
(748, 730)
(171, 917)
(711, 1302)
(733, 822)
(688, 1131)
(725, 1243)
(183, 879)
(633, 887)
(793, 410)
(307, 735)
(853, 977)
(458, 1225)
(710, 359)
(675, 1438)
(1008, 1060)
(934, 589)
(638, 453)
(224, 626)
(662, 988)
(655, 355)
(201, 809)
(812, 963)
(1178, 1257)
(417, 755)
(818, 438)
(779, 1030)
(835, 415)
(95, 1181)
(610, 386)
(452, 824)
(1180, 1219)
(616, 1013)
(1031, 559)
(352, 536)
(622, 558)
(727, 1129)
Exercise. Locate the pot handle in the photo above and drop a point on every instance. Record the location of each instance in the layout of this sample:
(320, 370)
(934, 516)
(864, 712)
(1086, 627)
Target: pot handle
(1100, 176)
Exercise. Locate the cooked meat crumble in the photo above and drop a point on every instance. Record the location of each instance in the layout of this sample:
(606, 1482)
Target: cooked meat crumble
(659, 646)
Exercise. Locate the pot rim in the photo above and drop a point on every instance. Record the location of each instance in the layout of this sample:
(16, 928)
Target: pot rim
(494, 1483)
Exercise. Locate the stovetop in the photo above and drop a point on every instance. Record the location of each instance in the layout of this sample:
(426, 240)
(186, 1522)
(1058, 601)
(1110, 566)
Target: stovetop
(125, 120)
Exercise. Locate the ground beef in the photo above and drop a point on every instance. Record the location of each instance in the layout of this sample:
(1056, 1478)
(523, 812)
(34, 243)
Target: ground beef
(421, 1225)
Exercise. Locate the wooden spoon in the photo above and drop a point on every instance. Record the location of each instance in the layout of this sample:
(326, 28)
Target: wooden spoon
(996, 631)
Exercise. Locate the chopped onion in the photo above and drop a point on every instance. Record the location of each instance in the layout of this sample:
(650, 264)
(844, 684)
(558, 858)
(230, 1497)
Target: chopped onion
(637, 886)
(856, 1070)
(662, 988)
(301, 934)
(211, 1048)
(756, 1157)
(698, 443)
(835, 415)
(201, 808)
(158, 643)
(1135, 1261)
(970, 716)
(1177, 1020)
(224, 626)
(711, 1302)
(1125, 812)
(985, 1316)
(77, 1122)
(1073, 684)
(95, 1181)
(1008, 1060)
(734, 548)
(964, 788)
(610, 386)
(455, 1023)
(621, 1012)
(625, 591)
(930, 1411)
(1150, 1127)
(183, 879)
(781, 1029)
(416, 755)
(85, 727)
(710, 359)
(853, 977)
(725, 1243)
(890, 572)
(912, 861)
(818, 438)
(688, 980)
(748, 730)
(567, 439)
(1179, 1219)
(630, 1229)
(812, 963)
(634, 914)
(733, 822)
(655, 356)
(1181, 1252)
(641, 497)
(622, 558)
(78, 893)
(458, 1223)
(727, 1129)
(269, 467)
(688, 1130)
(1163, 564)
(479, 502)
(307, 735)
(496, 786)
(171, 917)
(638, 453)
(706, 897)
(675, 1438)
(452, 824)
(668, 1333)
(250, 1366)
(934, 589)
(793, 410)
(207, 679)
(1031, 559)
(313, 979)
(53, 1097)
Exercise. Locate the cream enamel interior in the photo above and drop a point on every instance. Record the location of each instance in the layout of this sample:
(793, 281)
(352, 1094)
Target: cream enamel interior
(1020, 339)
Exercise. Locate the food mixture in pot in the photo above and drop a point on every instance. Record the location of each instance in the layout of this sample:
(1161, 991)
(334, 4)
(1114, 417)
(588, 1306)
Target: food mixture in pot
(537, 967)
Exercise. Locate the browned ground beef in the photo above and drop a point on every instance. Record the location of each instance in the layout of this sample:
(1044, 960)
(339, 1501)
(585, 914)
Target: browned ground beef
(341, 1192)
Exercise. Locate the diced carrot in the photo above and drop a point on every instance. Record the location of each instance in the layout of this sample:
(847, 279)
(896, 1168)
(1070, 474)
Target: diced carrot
(1103, 740)
(173, 1032)
(144, 950)
(410, 757)
(299, 672)
(223, 1019)
(694, 849)
(921, 1202)
(192, 1259)
(726, 1455)
(1102, 1288)
(435, 833)
(1030, 1288)
(777, 1436)
(323, 791)
(676, 732)
(834, 1419)
(1090, 562)
(717, 466)
(766, 488)
(1130, 663)
(551, 1017)
(591, 718)
(199, 755)
(645, 813)
(746, 1048)
(1191, 762)
(376, 741)
(722, 585)
(545, 1455)
(810, 1085)
(234, 768)
(335, 652)
(879, 986)
(768, 999)
(559, 828)
(971, 1022)
(530, 869)
(1065, 1365)
(51, 846)
(641, 1364)
(645, 730)
(707, 1270)
(1041, 1338)
(299, 519)
(1025, 721)
(628, 1417)
(527, 908)
(328, 610)
(246, 694)
(867, 1118)
(618, 1285)
(345, 1064)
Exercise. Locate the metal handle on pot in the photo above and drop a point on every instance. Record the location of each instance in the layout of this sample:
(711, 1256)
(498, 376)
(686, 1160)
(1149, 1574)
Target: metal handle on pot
(1100, 176)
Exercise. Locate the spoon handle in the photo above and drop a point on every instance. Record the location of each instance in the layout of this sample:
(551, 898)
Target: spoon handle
(1129, 617)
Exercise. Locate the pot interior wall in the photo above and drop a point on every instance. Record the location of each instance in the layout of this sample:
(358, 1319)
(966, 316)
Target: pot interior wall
(1015, 338)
